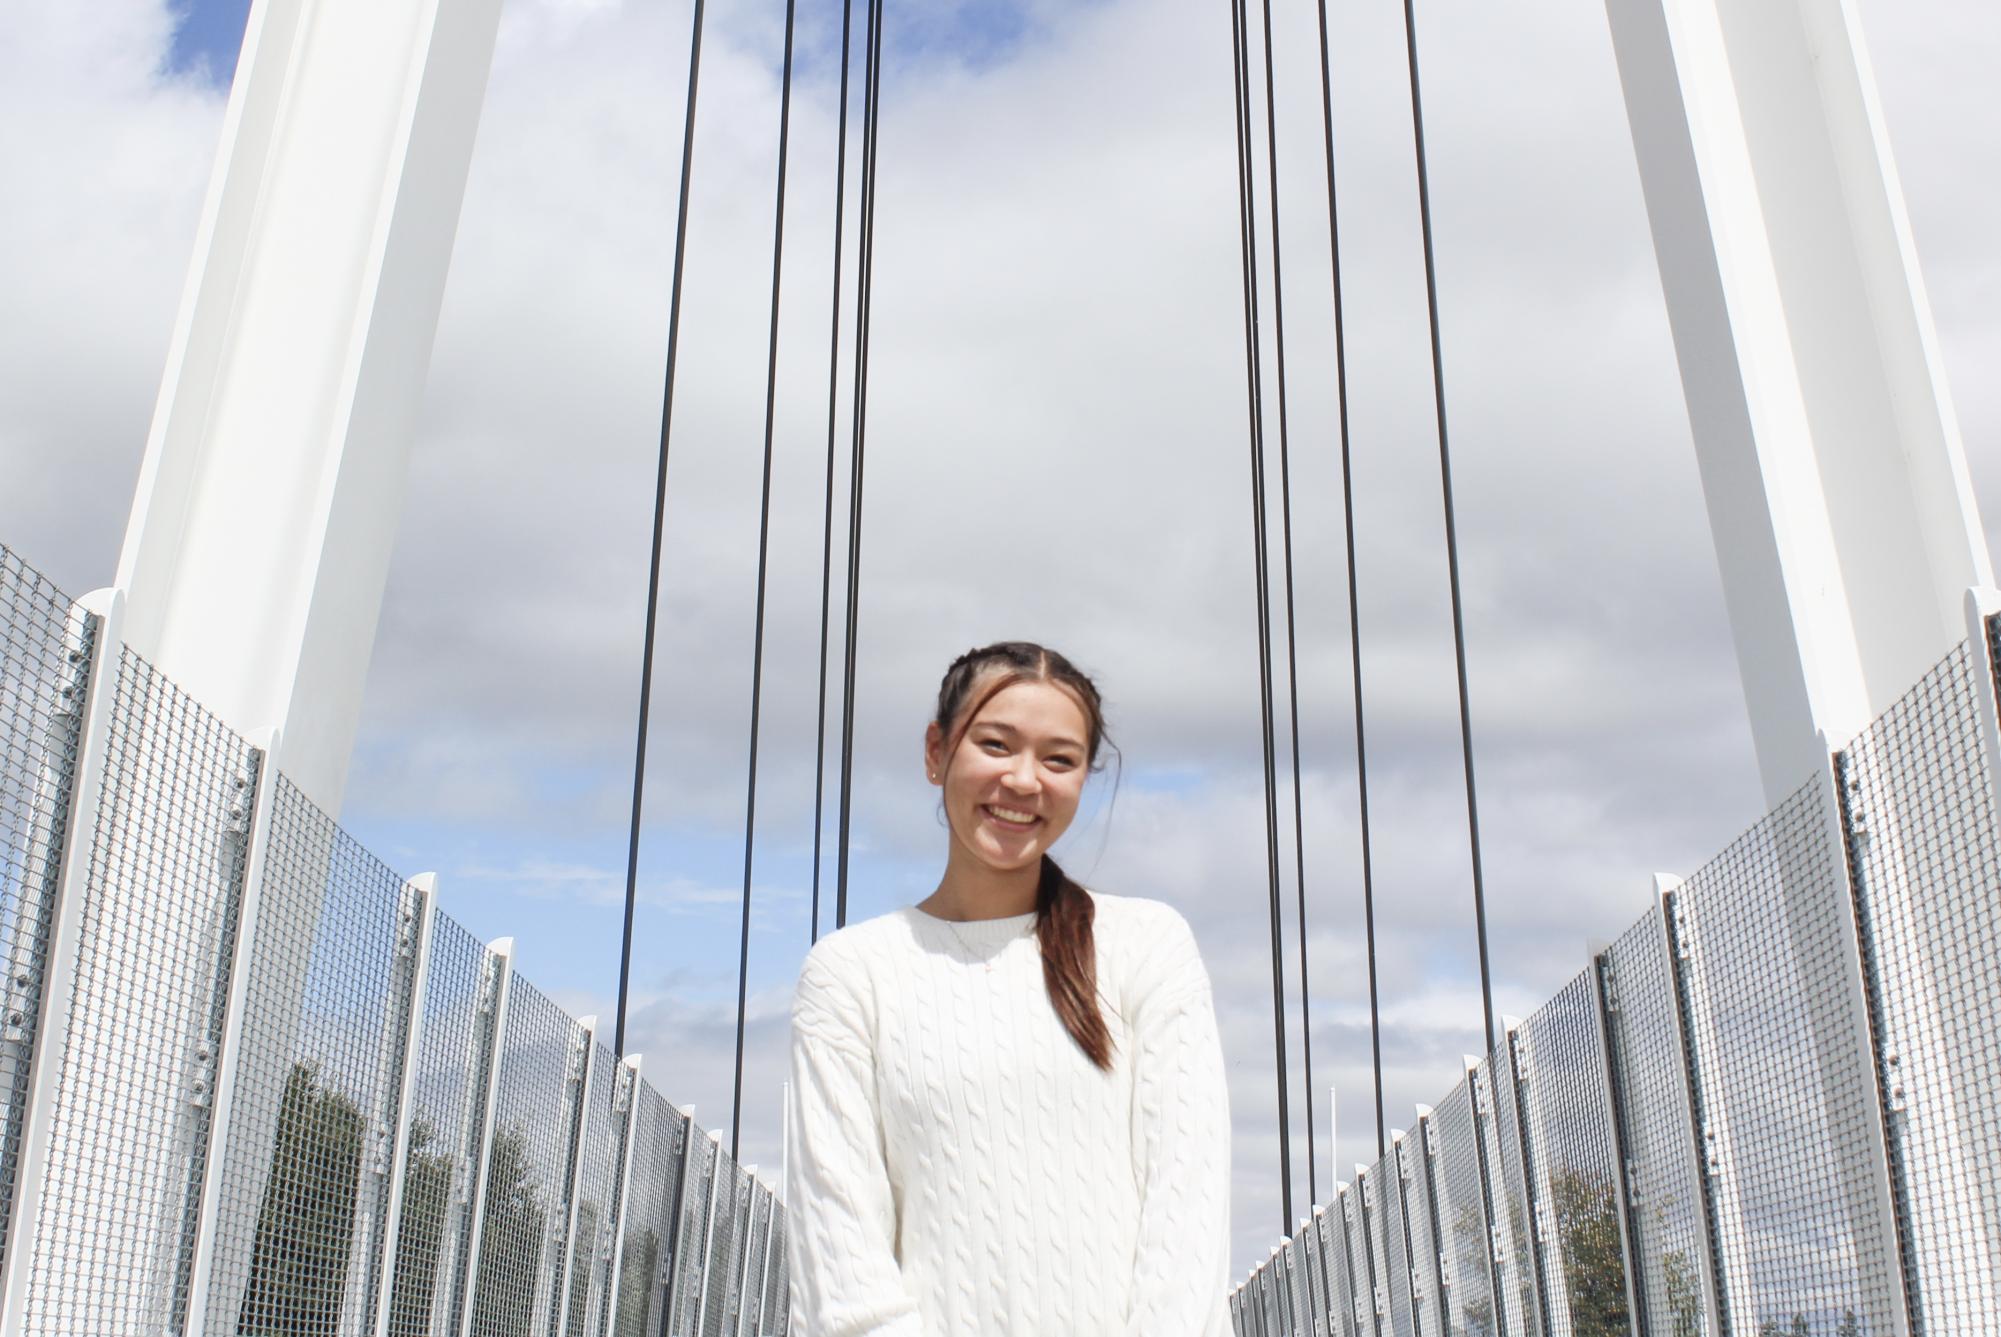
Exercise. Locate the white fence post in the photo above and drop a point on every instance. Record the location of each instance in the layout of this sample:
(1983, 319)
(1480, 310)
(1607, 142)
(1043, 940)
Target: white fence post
(425, 887)
(1604, 1000)
(1674, 949)
(585, 1077)
(494, 990)
(627, 1104)
(230, 1050)
(1520, 1074)
(106, 609)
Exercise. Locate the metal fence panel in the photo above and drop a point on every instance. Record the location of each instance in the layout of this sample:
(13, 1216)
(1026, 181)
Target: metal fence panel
(526, 1168)
(1576, 1186)
(1315, 1275)
(1340, 1266)
(1386, 1248)
(777, 1286)
(1923, 838)
(1427, 1316)
(1361, 1264)
(1295, 1286)
(603, 1130)
(1508, 1196)
(726, 1247)
(1462, 1220)
(307, 1152)
(158, 933)
(46, 643)
(753, 1272)
(1787, 1084)
(691, 1248)
(444, 1118)
(658, 1142)
(1268, 1300)
(1664, 1193)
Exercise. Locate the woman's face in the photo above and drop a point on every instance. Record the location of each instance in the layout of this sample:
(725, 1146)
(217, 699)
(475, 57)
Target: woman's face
(1013, 781)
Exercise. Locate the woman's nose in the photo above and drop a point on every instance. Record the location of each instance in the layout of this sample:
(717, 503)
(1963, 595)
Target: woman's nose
(1021, 775)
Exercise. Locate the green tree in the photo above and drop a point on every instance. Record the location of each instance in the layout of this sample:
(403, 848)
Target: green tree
(1594, 1261)
(1684, 1293)
(510, 1242)
(1849, 1327)
(427, 1191)
(305, 1226)
(636, 1283)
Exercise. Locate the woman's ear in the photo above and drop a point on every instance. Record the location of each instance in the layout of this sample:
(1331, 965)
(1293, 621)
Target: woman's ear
(934, 753)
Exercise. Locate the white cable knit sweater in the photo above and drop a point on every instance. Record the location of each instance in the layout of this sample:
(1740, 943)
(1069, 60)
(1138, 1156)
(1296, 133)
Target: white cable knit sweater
(959, 1167)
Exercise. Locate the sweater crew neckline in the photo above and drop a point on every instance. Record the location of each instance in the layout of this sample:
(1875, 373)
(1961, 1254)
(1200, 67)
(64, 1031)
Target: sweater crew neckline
(974, 932)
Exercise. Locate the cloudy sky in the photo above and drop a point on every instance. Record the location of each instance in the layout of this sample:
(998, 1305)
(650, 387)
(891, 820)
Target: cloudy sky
(1056, 450)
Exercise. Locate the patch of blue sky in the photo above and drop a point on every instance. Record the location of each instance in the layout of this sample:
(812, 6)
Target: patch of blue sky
(208, 34)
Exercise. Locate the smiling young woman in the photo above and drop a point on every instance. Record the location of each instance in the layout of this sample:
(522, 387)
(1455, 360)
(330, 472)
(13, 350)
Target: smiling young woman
(1008, 1108)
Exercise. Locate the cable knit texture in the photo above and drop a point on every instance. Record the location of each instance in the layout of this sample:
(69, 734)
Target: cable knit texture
(959, 1167)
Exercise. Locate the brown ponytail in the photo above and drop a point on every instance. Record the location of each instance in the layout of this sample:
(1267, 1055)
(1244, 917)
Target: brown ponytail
(1063, 910)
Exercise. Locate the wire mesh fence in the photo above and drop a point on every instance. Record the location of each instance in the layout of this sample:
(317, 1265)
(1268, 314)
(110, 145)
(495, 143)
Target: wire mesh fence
(1922, 841)
(46, 647)
(1567, 1116)
(252, 1082)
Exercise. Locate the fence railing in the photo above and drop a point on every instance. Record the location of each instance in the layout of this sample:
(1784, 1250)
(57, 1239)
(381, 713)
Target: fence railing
(253, 1081)
(1771, 1108)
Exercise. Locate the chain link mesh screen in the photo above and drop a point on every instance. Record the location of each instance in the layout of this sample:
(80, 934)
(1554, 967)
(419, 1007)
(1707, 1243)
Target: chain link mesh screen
(1417, 1196)
(307, 1152)
(533, 1119)
(1663, 1191)
(691, 1260)
(46, 644)
(1361, 1264)
(1787, 1087)
(1922, 837)
(446, 1100)
(1576, 1189)
(659, 1135)
(129, 1133)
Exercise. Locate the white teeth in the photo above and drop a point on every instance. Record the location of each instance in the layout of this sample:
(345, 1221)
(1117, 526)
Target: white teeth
(1010, 814)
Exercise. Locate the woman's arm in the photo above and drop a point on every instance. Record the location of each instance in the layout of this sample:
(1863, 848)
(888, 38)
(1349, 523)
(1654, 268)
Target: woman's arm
(841, 1216)
(1181, 1144)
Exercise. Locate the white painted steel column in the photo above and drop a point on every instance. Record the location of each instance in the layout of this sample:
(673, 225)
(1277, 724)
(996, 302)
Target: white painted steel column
(274, 472)
(107, 607)
(502, 977)
(709, 1233)
(1831, 461)
(425, 887)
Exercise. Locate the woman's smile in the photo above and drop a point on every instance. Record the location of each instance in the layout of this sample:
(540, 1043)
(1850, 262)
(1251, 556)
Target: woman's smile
(1009, 819)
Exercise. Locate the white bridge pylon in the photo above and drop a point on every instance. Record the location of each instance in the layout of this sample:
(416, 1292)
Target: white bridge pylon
(1831, 462)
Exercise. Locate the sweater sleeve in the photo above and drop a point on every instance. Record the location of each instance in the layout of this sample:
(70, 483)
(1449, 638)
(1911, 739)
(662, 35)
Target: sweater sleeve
(841, 1215)
(1181, 1144)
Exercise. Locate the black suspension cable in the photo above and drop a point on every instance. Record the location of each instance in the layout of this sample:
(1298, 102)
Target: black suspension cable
(864, 291)
(1285, 548)
(763, 553)
(1354, 603)
(827, 523)
(659, 517)
(1254, 385)
(1451, 527)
